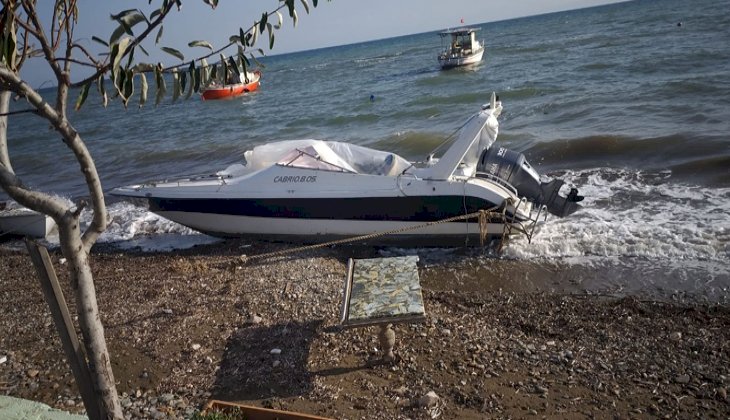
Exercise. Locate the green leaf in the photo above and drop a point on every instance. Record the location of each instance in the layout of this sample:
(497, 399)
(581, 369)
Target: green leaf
(254, 36)
(100, 41)
(82, 96)
(128, 87)
(258, 63)
(127, 20)
(175, 85)
(204, 72)
(143, 50)
(290, 6)
(244, 61)
(119, 80)
(204, 44)
(262, 22)
(102, 90)
(295, 18)
(159, 35)
(130, 57)
(212, 3)
(192, 85)
(183, 81)
(314, 3)
(306, 6)
(123, 13)
(241, 35)
(280, 19)
(173, 52)
(142, 89)
(271, 40)
(154, 14)
(232, 63)
(214, 73)
(117, 53)
(114, 38)
(199, 74)
(160, 85)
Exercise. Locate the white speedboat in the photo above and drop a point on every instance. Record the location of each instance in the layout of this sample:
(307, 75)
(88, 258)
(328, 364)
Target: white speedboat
(312, 189)
(462, 49)
(20, 221)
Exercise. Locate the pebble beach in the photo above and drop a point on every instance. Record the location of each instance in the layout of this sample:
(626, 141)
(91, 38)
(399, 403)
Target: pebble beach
(188, 326)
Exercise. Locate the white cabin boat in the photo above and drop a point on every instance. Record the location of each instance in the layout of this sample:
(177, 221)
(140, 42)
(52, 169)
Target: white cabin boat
(462, 49)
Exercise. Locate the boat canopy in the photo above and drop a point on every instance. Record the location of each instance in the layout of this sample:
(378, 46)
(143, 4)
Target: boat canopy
(458, 32)
(325, 155)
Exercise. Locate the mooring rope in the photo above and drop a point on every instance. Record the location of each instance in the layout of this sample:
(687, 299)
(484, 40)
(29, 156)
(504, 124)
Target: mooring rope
(482, 215)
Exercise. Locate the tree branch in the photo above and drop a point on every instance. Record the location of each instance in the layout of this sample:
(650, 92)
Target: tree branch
(32, 199)
(38, 33)
(73, 141)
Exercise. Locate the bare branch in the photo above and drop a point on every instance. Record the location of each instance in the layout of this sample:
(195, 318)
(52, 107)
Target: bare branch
(88, 55)
(79, 62)
(73, 141)
(38, 33)
(29, 198)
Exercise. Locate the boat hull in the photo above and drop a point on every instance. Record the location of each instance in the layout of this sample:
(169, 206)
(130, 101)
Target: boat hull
(318, 218)
(229, 91)
(313, 230)
(451, 61)
(25, 223)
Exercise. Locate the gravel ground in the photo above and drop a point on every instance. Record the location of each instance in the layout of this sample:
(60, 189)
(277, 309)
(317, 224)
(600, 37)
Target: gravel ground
(191, 325)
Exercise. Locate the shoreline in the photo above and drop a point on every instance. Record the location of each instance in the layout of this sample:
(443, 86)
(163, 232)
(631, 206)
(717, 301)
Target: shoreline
(189, 325)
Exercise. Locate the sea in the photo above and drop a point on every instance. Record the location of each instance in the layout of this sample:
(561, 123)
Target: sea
(628, 102)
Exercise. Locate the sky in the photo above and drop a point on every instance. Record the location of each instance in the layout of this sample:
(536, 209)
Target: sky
(335, 22)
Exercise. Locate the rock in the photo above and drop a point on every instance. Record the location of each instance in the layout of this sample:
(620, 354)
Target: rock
(32, 373)
(276, 363)
(682, 379)
(722, 393)
(255, 319)
(676, 336)
(428, 400)
(401, 391)
(275, 352)
(166, 398)
(195, 347)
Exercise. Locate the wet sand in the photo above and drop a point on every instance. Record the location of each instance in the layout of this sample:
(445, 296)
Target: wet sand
(190, 325)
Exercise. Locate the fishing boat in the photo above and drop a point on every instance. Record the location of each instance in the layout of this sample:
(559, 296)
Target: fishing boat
(314, 189)
(20, 221)
(462, 49)
(249, 82)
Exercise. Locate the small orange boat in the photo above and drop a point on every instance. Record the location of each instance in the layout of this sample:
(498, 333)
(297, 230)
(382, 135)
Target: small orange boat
(232, 90)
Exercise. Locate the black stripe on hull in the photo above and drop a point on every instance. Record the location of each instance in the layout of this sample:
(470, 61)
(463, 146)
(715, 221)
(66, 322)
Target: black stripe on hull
(406, 209)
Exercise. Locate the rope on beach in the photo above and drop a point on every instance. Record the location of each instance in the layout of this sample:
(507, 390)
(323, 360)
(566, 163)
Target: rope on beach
(484, 216)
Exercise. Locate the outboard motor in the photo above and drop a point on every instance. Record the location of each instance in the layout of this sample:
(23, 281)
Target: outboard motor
(512, 167)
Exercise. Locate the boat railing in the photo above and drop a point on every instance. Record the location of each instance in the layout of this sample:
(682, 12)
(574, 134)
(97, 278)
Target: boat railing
(497, 180)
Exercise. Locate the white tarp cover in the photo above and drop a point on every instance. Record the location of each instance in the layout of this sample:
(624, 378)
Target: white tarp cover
(338, 155)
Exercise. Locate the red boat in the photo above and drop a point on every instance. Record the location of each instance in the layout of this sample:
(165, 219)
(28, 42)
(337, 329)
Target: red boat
(233, 90)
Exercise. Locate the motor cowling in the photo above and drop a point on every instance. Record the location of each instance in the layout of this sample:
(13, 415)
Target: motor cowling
(513, 168)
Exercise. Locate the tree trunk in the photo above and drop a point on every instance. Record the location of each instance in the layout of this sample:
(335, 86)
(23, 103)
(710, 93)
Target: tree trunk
(4, 109)
(74, 249)
(82, 283)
